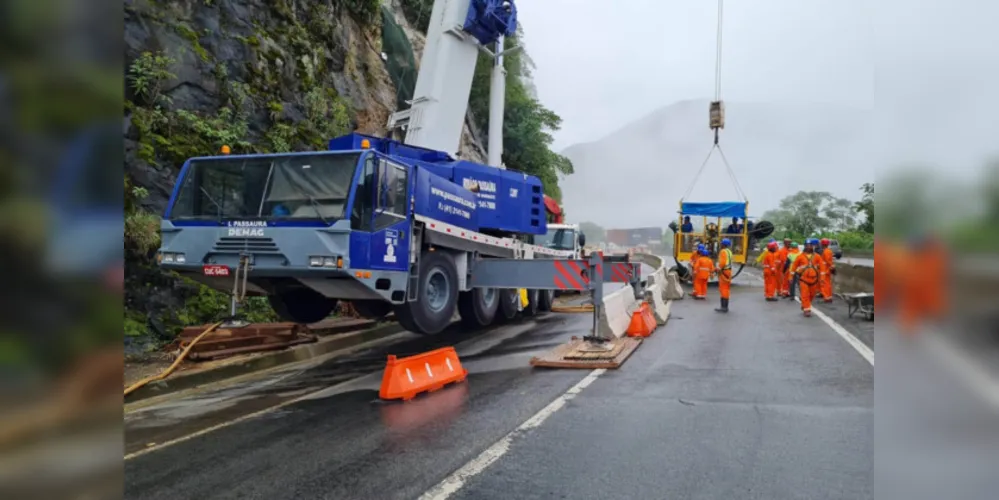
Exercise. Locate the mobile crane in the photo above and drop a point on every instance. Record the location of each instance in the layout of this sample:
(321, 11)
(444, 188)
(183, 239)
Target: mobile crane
(389, 226)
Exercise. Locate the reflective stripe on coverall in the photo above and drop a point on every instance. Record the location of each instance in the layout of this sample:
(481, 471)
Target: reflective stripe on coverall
(724, 272)
(807, 267)
(826, 280)
(771, 271)
(703, 270)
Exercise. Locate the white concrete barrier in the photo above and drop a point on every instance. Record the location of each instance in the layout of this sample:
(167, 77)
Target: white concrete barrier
(616, 316)
(673, 289)
(660, 307)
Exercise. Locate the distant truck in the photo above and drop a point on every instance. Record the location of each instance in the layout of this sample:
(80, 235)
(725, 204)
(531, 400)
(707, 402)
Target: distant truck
(565, 237)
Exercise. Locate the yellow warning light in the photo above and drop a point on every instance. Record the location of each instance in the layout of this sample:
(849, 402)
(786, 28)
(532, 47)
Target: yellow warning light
(365, 144)
(367, 274)
(226, 150)
(339, 262)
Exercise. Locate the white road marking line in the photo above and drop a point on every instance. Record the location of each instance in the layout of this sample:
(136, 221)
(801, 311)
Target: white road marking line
(857, 345)
(962, 366)
(456, 481)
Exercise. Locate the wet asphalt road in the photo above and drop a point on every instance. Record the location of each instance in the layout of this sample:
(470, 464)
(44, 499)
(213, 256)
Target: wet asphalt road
(711, 406)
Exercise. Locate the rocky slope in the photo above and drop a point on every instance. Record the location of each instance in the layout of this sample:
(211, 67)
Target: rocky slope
(266, 61)
(635, 176)
(258, 75)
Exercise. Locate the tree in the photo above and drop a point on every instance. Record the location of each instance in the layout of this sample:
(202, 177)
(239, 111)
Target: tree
(593, 232)
(866, 207)
(808, 213)
(527, 124)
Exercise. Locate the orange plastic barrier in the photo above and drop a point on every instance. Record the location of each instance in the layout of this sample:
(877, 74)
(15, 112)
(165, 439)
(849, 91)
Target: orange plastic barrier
(404, 378)
(643, 322)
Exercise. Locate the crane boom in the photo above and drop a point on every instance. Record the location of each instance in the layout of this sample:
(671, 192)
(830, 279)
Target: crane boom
(458, 30)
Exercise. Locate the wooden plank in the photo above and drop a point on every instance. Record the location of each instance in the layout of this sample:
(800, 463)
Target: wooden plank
(568, 355)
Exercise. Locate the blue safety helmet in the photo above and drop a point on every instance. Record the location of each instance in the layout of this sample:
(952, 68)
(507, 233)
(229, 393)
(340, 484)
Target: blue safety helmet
(814, 242)
(705, 252)
(726, 242)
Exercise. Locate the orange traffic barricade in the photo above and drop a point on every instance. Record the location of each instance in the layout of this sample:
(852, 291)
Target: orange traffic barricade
(643, 321)
(404, 378)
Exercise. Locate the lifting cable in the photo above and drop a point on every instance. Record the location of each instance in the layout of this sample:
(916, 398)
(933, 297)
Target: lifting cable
(716, 115)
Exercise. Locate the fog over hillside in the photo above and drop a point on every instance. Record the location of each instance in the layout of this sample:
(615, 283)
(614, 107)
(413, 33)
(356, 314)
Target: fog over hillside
(774, 151)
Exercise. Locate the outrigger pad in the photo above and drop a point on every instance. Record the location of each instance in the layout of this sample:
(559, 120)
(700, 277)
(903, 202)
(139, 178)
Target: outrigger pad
(578, 353)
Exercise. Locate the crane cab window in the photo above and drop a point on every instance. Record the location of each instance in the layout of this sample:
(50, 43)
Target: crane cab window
(390, 204)
(364, 197)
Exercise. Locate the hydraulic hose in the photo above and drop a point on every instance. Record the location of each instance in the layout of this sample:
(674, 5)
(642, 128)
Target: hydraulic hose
(166, 373)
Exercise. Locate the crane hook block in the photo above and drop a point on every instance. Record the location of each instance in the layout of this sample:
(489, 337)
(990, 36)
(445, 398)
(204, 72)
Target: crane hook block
(716, 115)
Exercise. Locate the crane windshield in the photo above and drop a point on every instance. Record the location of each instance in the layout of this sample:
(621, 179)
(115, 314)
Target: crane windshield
(289, 186)
(558, 239)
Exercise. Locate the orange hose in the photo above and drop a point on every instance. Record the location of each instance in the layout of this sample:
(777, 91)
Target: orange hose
(166, 373)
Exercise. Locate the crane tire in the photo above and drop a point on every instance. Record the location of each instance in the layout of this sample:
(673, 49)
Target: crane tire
(301, 305)
(546, 298)
(508, 298)
(532, 303)
(477, 307)
(436, 298)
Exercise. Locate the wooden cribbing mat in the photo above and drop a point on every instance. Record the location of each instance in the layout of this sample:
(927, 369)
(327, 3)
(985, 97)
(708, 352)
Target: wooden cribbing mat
(576, 354)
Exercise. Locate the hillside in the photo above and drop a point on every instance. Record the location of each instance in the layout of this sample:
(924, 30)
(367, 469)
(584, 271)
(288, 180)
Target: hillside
(645, 167)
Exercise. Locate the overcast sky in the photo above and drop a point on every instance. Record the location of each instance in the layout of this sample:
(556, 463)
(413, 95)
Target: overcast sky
(929, 69)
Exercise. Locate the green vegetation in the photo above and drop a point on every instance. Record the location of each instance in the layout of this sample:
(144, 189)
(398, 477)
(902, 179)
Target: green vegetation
(527, 126)
(818, 214)
(303, 111)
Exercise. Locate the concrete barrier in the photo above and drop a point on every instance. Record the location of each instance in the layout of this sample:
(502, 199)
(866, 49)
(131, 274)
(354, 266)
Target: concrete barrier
(660, 307)
(673, 290)
(622, 303)
(616, 316)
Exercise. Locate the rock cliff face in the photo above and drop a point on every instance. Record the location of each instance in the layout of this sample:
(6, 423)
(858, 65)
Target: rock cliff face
(257, 75)
(265, 75)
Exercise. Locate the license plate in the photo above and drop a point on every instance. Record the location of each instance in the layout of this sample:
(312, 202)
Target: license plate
(215, 270)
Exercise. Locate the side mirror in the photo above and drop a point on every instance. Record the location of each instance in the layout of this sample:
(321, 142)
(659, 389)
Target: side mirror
(582, 240)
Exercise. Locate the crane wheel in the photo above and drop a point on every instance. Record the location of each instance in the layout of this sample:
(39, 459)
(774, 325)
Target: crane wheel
(301, 305)
(436, 299)
(546, 298)
(477, 307)
(532, 303)
(508, 299)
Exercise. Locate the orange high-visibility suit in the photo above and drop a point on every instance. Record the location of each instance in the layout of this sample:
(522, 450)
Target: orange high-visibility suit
(772, 269)
(792, 255)
(702, 272)
(807, 266)
(724, 272)
(922, 293)
(826, 280)
(781, 259)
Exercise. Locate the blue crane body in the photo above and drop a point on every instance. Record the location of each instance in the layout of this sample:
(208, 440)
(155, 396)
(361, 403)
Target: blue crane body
(390, 226)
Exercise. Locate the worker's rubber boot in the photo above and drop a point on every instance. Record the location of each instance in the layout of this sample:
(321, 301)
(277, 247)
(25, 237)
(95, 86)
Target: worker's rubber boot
(724, 306)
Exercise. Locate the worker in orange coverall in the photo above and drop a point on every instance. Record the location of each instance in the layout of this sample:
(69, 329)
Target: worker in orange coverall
(781, 258)
(703, 269)
(724, 270)
(792, 254)
(772, 270)
(807, 266)
(923, 286)
(826, 280)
